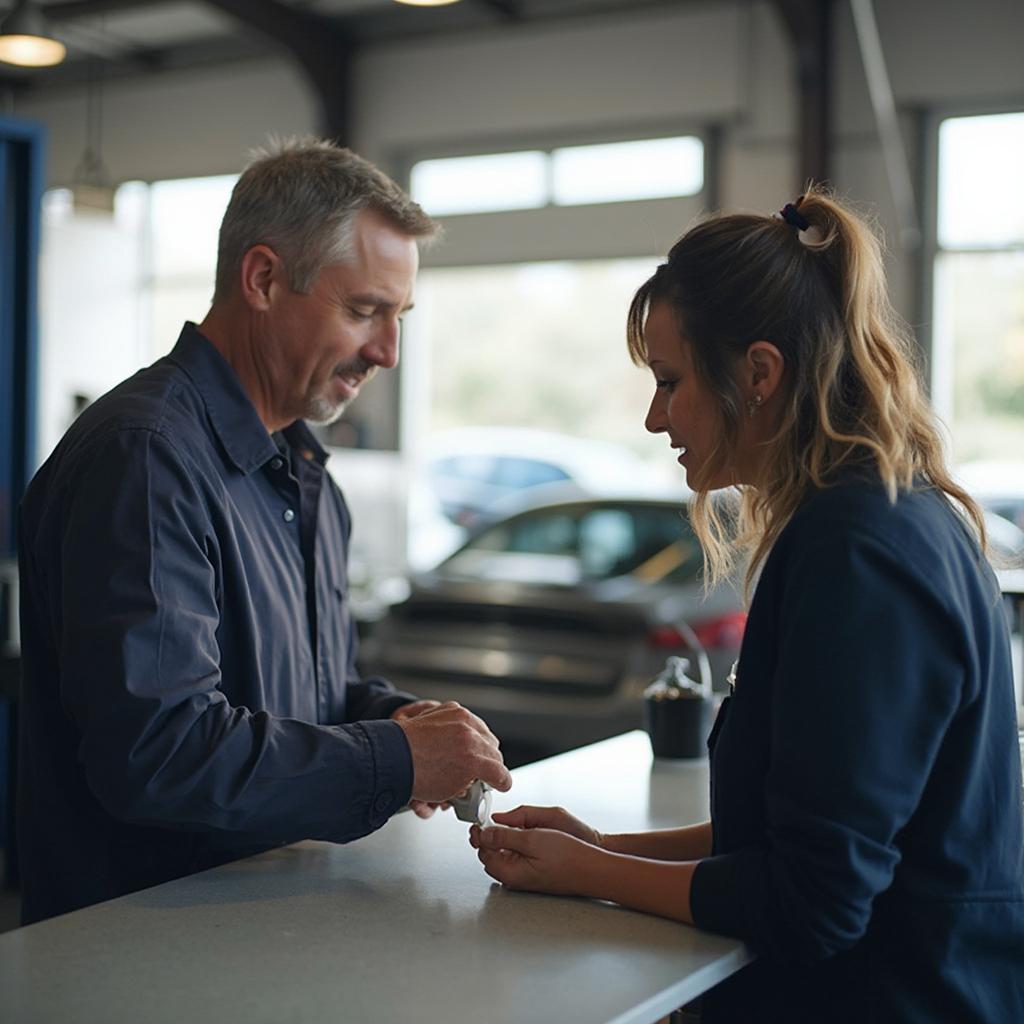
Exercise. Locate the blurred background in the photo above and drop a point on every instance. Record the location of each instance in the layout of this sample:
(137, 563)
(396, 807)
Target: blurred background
(564, 144)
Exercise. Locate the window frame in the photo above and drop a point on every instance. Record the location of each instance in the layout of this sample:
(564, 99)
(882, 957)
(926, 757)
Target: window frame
(588, 231)
(931, 250)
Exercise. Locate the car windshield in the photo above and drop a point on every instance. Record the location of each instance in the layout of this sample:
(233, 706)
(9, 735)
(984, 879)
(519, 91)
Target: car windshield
(570, 544)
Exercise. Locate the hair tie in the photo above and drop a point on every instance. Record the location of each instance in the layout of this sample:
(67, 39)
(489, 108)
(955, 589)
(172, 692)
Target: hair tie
(792, 216)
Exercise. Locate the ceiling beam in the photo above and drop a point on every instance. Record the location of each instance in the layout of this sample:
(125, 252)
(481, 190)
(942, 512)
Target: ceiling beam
(809, 23)
(91, 8)
(509, 10)
(319, 44)
(322, 49)
(897, 165)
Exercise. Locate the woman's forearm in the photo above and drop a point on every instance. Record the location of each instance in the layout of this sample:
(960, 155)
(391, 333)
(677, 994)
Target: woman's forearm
(652, 886)
(692, 842)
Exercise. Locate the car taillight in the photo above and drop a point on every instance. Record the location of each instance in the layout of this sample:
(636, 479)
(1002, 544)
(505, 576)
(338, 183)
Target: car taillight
(665, 638)
(723, 631)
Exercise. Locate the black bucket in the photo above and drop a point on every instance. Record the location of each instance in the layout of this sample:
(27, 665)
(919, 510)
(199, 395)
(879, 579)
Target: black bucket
(679, 726)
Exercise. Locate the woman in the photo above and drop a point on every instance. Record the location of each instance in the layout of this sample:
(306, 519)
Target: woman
(865, 836)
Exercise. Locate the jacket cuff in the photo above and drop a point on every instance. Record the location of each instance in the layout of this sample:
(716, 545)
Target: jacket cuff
(715, 896)
(392, 769)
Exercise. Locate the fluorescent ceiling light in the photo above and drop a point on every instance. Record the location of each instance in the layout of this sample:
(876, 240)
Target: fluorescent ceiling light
(426, 3)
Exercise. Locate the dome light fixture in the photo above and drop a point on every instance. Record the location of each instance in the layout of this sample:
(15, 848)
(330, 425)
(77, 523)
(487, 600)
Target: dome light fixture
(25, 39)
(426, 3)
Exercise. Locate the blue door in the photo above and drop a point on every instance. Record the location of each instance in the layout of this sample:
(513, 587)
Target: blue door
(21, 192)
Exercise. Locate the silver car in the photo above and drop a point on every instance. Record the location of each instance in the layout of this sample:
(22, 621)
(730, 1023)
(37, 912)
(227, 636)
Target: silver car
(550, 623)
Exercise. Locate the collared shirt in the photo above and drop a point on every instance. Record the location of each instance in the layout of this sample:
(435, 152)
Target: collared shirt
(190, 692)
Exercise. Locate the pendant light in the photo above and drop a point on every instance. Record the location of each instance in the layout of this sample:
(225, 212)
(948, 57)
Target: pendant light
(26, 40)
(92, 191)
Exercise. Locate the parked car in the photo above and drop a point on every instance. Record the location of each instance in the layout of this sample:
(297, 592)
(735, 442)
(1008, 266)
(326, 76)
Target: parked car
(473, 468)
(1006, 540)
(549, 623)
(998, 486)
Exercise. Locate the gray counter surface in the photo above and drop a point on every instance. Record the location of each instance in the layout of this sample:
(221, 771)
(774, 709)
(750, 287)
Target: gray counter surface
(400, 926)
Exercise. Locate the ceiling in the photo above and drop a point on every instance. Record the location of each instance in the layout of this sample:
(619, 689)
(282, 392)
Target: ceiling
(122, 37)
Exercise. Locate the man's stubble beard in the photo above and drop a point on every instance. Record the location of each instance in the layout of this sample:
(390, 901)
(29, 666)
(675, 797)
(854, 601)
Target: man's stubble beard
(322, 411)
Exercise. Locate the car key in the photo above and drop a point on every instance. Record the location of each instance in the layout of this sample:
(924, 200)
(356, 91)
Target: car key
(474, 805)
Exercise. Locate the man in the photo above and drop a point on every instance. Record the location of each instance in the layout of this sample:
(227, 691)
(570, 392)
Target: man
(190, 692)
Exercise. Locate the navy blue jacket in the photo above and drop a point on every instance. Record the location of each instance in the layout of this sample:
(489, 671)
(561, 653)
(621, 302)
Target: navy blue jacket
(866, 783)
(190, 692)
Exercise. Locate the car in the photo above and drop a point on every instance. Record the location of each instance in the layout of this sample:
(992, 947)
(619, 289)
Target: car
(550, 622)
(470, 469)
(1006, 541)
(997, 485)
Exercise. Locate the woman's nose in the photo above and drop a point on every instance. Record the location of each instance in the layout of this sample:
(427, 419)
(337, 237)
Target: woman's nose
(655, 419)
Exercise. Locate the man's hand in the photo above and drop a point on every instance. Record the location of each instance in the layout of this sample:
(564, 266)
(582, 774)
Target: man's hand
(416, 707)
(451, 748)
(537, 859)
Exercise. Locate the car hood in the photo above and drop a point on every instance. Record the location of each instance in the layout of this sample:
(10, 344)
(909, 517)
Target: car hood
(620, 600)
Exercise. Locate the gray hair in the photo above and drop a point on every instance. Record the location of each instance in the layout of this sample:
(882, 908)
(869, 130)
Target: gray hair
(300, 197)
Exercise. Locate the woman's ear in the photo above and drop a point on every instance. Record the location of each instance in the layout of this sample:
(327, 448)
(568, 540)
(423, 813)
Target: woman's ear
(763, 367)
(261, 268)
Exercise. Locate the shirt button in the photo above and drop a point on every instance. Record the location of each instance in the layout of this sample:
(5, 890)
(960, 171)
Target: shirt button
(383, 802)
(289, 515)
(276, 463)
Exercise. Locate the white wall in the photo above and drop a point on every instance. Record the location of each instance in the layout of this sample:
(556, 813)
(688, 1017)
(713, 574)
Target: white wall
(90, 294)
(179, 124)
(559, 80)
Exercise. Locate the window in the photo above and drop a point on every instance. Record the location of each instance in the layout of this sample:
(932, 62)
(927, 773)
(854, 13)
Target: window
(648, 169)
(978, 332)
(566, 176)
(184, 218)
(471, 184)
(531, 345)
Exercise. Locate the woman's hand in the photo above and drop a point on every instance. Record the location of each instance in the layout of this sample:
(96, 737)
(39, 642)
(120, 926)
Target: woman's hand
(546, 860)
(555, 818)
(536, 859)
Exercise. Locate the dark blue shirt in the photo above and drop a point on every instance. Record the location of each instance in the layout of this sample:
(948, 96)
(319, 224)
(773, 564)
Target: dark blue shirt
(866, 789)
(190, 692)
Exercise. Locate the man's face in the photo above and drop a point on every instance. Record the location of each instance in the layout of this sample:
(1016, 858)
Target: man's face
(328, 342)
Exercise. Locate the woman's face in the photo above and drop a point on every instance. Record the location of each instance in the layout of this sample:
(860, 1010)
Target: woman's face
(686, 410)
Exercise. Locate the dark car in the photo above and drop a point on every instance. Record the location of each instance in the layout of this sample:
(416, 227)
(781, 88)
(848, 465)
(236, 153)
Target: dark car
(550, 623)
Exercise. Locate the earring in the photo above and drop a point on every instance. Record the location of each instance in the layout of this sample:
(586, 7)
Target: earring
(753, 404)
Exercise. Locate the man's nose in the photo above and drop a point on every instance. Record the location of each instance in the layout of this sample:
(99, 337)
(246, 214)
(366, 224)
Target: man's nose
(382, 350)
